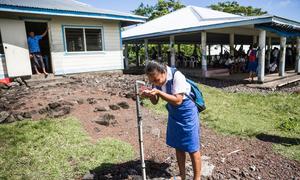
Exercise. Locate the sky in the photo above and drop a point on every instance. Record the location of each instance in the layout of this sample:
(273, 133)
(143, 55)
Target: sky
(283, 8)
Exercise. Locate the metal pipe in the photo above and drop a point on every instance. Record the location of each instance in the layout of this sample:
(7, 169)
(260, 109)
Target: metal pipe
(140, 127)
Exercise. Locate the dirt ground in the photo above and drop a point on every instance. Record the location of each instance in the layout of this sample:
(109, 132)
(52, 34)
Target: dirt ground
(88, 97)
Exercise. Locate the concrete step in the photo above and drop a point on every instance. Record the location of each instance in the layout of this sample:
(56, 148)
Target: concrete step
(42, 76)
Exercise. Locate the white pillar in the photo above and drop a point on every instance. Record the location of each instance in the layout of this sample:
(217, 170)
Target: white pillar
(282, 56)
(203, 53)
(146, 51)
(172, 50)
(269, 52)
(126, 56)
(261, 56)
(231, 43)
(254, 39)
(298, 56)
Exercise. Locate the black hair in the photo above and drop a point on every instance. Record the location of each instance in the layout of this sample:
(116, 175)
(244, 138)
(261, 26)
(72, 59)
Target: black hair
(153, 66)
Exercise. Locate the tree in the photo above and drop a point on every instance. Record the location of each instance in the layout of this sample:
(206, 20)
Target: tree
(162, 7)
(234, 8)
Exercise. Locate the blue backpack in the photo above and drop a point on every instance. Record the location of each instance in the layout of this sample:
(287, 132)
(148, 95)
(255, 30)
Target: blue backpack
(195, 95)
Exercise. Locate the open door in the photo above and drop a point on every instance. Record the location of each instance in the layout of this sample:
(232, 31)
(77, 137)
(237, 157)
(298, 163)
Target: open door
(15, 47)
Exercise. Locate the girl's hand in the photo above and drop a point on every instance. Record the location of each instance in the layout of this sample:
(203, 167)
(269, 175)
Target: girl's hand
(155, 92)
(146, 93)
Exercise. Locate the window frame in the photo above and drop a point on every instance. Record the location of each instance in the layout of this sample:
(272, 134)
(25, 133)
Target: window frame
(64, 27)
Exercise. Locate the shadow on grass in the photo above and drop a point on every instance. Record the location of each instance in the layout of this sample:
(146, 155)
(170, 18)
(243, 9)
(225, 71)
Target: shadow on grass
(131, 170)
(278, 140)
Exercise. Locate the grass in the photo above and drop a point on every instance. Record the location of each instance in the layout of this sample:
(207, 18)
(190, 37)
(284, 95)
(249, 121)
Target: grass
(252, 114)
(54, 149)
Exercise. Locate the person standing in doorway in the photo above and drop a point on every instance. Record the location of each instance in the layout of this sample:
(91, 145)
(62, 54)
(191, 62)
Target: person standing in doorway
(183, 130)
(35, 51)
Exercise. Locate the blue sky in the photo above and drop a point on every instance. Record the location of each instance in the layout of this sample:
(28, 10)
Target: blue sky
(284, 8)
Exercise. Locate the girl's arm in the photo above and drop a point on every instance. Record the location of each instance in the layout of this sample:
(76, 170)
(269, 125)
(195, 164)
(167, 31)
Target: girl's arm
(175, 99)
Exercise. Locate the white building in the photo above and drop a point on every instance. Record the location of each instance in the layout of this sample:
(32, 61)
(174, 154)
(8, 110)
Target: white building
(197, 25)
(81, 37)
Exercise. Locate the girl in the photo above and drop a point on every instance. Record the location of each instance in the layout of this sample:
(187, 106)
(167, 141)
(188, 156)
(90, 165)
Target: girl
(183, 118)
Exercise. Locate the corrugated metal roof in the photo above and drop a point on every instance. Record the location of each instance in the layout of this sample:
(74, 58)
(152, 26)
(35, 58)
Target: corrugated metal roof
(191, 19)
(64, 5)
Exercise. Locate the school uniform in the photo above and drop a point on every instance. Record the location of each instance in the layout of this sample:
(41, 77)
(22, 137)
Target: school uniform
(183, 131)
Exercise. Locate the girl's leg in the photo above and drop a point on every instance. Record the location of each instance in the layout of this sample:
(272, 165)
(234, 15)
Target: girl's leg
(196, 162)
(180, 155)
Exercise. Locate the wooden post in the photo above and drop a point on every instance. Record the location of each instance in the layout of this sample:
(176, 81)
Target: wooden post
(261, 56)
(282, 56)
(203, 53)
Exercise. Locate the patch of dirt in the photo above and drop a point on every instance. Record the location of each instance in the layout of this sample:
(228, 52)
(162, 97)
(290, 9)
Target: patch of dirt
(89, 98)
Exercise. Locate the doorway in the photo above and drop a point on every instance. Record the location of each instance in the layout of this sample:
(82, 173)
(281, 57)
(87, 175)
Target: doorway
(39, 28)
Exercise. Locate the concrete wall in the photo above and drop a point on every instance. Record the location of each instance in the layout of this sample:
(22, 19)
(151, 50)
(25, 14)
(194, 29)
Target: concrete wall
(108, 59)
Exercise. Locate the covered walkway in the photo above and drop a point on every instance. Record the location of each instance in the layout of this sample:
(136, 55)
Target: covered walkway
(205, 27)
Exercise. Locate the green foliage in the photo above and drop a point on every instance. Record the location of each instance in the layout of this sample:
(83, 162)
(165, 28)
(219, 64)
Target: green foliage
(251, 114)
(162, 7)
(234, 8)
(54, 149)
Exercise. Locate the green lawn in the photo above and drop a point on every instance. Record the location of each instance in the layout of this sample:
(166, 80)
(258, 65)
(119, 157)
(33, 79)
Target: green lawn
(54, 149)
(251, 115)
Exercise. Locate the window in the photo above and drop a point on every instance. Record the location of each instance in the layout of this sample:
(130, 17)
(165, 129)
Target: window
(83, 39)
(1, 45)
(93, 39)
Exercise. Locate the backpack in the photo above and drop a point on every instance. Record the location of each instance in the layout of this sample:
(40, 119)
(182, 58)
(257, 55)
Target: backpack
(195, 95)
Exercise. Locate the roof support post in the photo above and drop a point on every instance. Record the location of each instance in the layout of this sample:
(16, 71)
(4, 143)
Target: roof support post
(261, 56)
(159, 53)
(282, 55)
(137, 49)
(231, 43)
(298, 56)
(172, 50)
(203, 54)
(126, 56)
(254, 40)
(221, 48)
(269, 52)
(146, 51)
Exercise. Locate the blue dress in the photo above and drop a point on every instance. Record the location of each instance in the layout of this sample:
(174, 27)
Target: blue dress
(183, 131)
